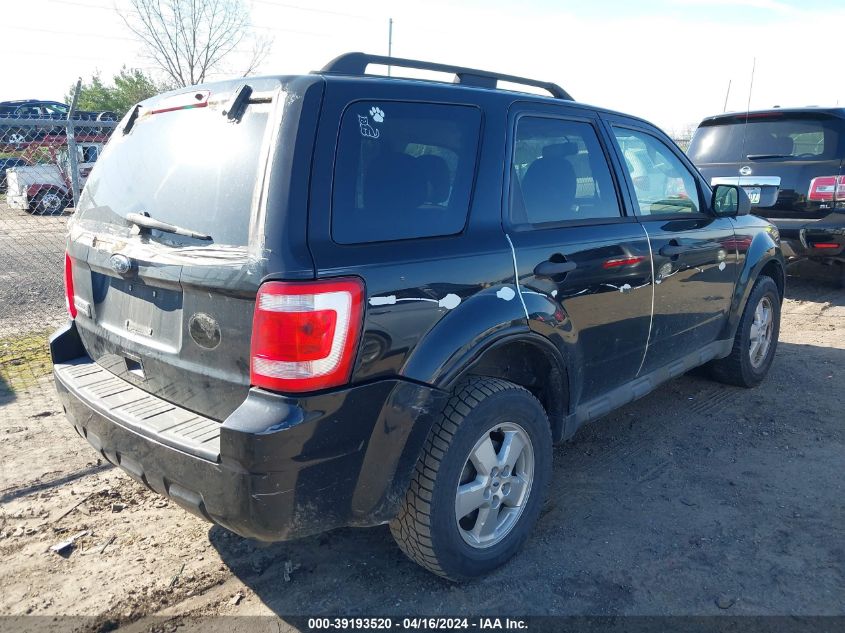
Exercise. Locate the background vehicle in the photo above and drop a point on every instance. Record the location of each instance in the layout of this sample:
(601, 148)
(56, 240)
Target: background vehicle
(6, 163)
(790, 161)
(425, 303)
(35, 109)
(45, 188)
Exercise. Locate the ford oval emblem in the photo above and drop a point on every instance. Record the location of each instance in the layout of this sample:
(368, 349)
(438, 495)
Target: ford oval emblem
(745, 170)
(204, 330)
(120, 264)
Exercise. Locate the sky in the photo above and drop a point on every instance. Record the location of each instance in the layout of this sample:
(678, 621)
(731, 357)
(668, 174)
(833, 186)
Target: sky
(668, 61)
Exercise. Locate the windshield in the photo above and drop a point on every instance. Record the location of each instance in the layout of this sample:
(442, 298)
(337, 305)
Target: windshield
(192, 167)
(55, 108)
(770, 136)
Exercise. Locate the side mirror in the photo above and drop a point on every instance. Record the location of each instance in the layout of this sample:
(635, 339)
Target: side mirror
(730, 201)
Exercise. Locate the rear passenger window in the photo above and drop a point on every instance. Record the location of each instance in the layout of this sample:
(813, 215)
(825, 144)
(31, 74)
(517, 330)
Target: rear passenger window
(559, 173)
(403, 170)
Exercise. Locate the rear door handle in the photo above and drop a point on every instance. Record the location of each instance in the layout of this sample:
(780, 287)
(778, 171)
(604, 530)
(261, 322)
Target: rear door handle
(551, 269)
(673, 250)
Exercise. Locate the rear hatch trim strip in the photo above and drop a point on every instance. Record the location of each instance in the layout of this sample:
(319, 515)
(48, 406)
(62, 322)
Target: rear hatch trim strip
(746, 181)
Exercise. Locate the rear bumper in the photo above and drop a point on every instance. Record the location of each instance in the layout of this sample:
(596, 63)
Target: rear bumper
(822, 239)
(277, 468)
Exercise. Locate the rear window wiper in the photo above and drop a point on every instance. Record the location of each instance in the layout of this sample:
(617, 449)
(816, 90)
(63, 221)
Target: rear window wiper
(762, 156)
(144, 221)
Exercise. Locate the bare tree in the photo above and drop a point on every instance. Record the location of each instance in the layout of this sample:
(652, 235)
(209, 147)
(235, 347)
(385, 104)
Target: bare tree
(683, 135)
(188, 39)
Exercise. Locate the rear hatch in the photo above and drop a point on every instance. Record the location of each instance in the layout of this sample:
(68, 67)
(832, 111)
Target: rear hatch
(775, 156)
(172, 313)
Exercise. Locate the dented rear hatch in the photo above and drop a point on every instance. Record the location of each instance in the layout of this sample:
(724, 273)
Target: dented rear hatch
(171, 312)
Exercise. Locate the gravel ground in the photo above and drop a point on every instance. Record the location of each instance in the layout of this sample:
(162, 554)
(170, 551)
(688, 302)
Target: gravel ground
(698, 499)
(31, 275)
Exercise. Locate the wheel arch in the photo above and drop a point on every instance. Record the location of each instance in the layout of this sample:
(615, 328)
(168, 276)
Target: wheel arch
(37, 189)
(530, 361)
(776, 270)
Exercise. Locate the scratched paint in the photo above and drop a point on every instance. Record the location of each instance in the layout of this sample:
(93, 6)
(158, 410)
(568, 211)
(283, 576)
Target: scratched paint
(450, 301)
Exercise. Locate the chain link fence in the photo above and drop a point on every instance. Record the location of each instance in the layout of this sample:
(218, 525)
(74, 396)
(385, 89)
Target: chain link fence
(45, 157)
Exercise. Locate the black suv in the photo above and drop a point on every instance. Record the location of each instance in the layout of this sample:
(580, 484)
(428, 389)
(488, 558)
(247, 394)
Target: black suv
(338, 299)
(790, 162)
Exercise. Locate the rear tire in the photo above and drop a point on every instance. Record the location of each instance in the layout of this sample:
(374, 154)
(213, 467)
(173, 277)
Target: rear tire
(488, 458)
(756, 338)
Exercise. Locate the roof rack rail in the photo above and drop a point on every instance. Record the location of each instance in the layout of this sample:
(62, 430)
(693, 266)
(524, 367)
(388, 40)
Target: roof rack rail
(356, 64)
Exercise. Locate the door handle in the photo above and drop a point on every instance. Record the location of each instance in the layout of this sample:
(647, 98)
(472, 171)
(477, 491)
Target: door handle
(552, 269)
(673, 249)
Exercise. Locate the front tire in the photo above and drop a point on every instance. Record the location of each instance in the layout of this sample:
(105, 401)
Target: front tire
(756, 338)
(480, 482)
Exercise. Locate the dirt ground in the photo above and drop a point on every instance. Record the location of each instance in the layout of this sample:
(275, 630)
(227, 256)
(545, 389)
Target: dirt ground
(698, 499)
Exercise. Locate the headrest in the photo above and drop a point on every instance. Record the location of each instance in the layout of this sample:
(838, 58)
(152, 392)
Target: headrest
(560, 150)
(438, 180)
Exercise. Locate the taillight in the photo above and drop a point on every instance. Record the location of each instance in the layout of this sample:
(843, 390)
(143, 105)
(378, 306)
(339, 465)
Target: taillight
(304, 335)
(827, 189)
(622, 261)
(69, 302)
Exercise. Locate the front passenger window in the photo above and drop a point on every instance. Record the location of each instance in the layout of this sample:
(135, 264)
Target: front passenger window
(662, 184)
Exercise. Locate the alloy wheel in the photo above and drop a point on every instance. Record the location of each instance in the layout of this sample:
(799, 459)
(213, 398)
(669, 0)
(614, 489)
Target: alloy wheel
(495, 485)
(762, 329)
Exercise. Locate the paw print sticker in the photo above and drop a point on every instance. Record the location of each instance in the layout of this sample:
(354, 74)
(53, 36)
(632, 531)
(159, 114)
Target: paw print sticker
(377, 114)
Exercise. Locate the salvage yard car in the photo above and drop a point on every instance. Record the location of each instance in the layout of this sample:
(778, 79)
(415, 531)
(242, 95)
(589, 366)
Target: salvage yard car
(45, 188)
(341, 299)
(791, 162)
(34, 109)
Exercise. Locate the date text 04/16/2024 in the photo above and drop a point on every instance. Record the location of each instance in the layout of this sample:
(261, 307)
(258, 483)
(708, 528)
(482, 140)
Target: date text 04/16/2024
(414, 624)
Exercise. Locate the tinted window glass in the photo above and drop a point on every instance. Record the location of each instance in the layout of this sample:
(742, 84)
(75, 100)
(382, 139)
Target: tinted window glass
(559, 173)
(662, 183)
(55, 108)
(88, 153)
(770, 137)
(403, 170)
(191, 167)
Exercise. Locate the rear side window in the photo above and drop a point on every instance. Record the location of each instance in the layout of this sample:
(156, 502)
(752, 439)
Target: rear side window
(773, 137)
(403, 170)
(559, 173)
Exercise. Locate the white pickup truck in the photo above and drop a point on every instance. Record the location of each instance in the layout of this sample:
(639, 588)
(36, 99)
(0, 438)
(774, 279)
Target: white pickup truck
(45, 188)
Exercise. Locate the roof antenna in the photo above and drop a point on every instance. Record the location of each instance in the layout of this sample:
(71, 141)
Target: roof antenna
(389, 42)
(727, 94)
(743, 157)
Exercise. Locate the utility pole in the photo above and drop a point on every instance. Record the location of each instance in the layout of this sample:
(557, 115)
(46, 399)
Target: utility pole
(70, 135)
(389, 42)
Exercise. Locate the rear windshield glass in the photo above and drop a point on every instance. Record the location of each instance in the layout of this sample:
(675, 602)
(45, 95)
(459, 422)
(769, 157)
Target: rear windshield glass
(784, 137)
(403, 170)
(192, 167)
